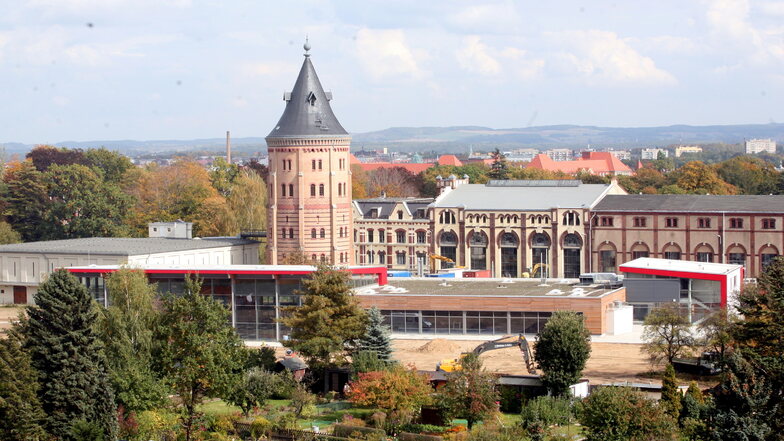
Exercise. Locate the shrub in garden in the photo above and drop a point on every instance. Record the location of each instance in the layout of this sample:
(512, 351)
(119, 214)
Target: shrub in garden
(620, 413)
(397, 389)
(542, 412)
(260, 427)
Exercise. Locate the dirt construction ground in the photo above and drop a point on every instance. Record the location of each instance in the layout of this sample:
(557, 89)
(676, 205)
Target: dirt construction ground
(609, 362)
(8, 314)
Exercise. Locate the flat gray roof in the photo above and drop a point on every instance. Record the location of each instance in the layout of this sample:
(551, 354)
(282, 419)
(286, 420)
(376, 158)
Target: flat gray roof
(529, 197)
(121, 246)
(693, 203)
(482, 287)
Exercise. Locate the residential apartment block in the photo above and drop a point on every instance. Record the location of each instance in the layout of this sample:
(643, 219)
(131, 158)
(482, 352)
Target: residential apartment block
(681, 149)
(760, 145)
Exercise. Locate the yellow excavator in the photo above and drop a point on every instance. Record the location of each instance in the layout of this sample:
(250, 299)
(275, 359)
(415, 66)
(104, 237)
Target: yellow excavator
(538, 267)
(434, 257)
(454, 364)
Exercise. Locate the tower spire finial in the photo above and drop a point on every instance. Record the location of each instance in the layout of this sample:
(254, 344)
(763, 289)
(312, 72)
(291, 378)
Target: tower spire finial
(306, 46)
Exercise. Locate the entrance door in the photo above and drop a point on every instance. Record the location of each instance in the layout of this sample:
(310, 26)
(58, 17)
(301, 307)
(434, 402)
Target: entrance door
(20, 295)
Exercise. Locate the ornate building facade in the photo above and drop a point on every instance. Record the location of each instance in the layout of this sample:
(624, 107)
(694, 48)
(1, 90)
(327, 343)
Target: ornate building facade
(310, 179)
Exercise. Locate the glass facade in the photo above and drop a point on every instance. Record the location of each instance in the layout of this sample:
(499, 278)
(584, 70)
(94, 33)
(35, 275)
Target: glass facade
(255, 301)
(465, 322)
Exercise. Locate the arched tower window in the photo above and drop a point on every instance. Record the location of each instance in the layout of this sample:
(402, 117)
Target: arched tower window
(321, 189)
(313, 190)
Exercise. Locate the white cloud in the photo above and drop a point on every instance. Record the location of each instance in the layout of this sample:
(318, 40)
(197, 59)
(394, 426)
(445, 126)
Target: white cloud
(385, 53)
(474, 57)
(524, 67)
(601, 57)
(730, 22)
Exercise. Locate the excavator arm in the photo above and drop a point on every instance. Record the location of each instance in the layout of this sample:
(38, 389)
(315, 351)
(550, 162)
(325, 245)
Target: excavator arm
(501, 343)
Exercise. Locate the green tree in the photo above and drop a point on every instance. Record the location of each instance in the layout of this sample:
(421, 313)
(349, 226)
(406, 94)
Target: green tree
(744, 405)
(199, 353)
(8, 234)
(330, 320)
(667, 333)
(262, 357)
(256, 387)
(247, 203)
(376, 337)
(469, 392)
(541, 413)
(562, 348)
(26, 200)
(127, 327)
(759, 336)
(670, 396)
(223, 176)
(82, 205)
(21, 414)
(499, 169)
(110, 165)
(716, 332)
(622, 414)
(367, 361)
(693, 414)
(67, 353)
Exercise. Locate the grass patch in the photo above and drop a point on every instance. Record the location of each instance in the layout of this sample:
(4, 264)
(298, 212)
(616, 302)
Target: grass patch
(220, 407)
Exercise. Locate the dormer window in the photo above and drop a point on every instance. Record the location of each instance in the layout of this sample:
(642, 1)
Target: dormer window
(311, 98)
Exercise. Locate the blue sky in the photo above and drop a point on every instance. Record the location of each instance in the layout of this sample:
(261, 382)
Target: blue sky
(155, 69)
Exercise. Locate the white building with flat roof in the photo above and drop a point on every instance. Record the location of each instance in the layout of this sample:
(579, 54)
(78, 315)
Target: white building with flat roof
(652, 154)
(760, 145)
(681, 149)
(24, 266)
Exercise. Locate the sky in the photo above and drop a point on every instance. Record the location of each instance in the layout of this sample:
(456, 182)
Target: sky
(182, 69)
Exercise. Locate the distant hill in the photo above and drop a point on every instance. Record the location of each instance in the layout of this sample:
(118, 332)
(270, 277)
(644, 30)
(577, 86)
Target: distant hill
(568, 135)
(461, 137)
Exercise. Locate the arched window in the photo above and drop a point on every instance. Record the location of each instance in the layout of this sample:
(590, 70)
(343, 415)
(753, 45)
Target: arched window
(572, 241)
(283, 233)
(340, 189)
(313, 164)
(382, 237)
(291, 190)
(313, 190)
(540, 240)
(313, 257)
(291, 233)
(572, 261)
(321, 189)
(319, 164)
(400, 235)
(323, 258)
(283, 190)
(382, 258)
(313, 233)
(284, 164)
(322, 234)
(478, 243)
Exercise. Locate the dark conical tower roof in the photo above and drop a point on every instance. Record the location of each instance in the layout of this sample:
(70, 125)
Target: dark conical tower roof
(307, 110)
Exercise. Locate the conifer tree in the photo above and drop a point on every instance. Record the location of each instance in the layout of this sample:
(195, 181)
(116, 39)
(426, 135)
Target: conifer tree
(66, 352)
(20, 411)
(670, 397)
(330, 320)
(376, 336)
(499, 169)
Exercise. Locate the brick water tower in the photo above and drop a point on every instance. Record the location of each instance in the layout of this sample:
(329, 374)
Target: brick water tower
(310, 177)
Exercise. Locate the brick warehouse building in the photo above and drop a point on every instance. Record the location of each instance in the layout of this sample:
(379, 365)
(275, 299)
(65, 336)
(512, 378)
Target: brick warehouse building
(747, 230)
(310, 180)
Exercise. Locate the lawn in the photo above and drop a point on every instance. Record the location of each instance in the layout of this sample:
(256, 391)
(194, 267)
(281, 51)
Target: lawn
(220, 407)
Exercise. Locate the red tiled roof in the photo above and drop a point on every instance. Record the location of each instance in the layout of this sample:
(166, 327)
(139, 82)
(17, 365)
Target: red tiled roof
(449, 160)
(596, 162)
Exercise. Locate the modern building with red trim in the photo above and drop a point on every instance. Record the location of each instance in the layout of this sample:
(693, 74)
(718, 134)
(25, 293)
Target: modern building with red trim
(700, 287)
(255, 294)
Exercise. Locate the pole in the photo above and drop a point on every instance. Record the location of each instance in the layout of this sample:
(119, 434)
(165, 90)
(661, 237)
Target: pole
(228, 147)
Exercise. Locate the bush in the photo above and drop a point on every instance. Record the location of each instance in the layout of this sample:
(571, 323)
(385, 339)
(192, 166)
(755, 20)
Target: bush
(260, 427)
(348, 431)
(404, 436)
(378, 419)
(156, 424)
(285, 421)
(547, 409)
(620, 413)
(284, 386)
(423, 428)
